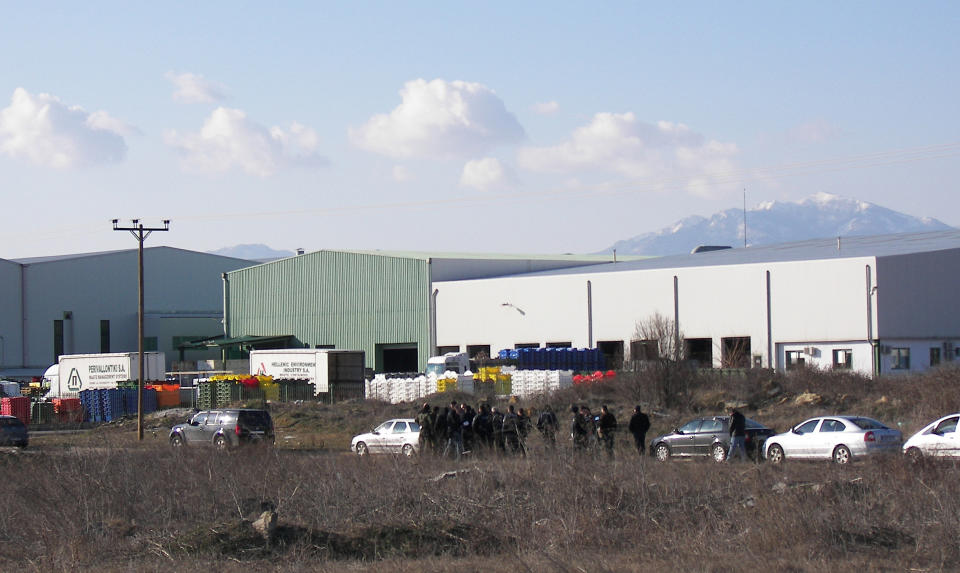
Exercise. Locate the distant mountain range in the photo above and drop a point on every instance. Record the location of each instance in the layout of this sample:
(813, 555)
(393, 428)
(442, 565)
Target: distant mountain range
(253, 252)
(819, 216)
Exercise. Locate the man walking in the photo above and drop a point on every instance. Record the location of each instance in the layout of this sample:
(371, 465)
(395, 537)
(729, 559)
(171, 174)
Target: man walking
(738, 435)
(606, 427)
(639, 424)
(548, 425)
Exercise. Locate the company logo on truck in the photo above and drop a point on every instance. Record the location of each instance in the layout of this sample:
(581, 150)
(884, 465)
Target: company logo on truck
(74, 383)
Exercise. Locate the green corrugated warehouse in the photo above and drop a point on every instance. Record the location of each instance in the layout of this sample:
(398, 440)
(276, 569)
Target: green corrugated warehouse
(378, 302)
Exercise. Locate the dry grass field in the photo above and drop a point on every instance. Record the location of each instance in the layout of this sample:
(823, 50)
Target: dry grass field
(102, 501)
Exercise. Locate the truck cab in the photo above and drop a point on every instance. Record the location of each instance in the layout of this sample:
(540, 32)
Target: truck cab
(457, 362)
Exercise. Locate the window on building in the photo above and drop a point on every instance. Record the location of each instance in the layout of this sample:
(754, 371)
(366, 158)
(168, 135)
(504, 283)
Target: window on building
(520, 345)
(559, 344)
(843, 359)
(934, 356)
(478, 351)
(612, 351)
(149, 343)
(644, 350)
(900, 358)
(795, 359)
(735, 352)
(441, 350)
(104, 336)
(57, 340)
(699, 351)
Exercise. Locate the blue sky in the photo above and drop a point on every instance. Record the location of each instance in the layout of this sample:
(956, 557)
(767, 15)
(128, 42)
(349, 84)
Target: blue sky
(484, 127)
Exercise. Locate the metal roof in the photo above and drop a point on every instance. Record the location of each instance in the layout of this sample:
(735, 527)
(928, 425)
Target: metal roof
(812, 249)
(55, 258)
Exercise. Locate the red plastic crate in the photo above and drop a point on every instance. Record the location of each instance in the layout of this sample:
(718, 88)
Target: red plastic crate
(19, 407)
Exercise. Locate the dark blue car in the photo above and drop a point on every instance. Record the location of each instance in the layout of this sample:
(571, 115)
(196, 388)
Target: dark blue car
(13, 432)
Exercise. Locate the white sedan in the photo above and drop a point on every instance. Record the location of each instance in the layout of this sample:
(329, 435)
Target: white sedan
(398, 436)
(840, 438)
(938, 439)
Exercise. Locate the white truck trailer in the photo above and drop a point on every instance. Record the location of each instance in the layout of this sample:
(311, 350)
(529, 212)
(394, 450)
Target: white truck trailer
(75, 372)
(324, 367)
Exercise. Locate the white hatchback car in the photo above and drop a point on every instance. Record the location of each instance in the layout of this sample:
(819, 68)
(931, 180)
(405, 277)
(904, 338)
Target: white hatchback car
(840, 438)
(939, 439)
(397, 436)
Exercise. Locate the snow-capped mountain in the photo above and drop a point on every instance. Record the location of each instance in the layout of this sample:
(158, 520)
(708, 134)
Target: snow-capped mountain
(821, 215)
(252, 252)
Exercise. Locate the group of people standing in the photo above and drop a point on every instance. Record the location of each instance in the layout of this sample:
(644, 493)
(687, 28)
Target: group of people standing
(458, 428)
(590, 432)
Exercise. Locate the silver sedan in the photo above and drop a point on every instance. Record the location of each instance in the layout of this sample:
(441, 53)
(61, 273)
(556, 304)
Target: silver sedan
(397, 436)
(840, 438)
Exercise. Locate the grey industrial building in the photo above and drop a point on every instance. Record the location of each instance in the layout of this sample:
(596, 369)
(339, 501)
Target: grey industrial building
(87, 303)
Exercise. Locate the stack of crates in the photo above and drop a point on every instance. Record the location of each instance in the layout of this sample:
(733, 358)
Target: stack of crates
(93, 410)
(18, 407)
(42, 413)
(67, 410)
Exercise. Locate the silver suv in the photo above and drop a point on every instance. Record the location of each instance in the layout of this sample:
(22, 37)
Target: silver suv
(224, 428)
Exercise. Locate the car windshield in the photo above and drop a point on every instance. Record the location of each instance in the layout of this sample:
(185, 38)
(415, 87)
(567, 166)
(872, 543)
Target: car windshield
(383, 427)
(868, 424)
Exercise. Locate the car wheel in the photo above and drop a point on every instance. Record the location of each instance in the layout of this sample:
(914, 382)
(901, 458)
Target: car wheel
(221, 443)
(719, 453)
(915, 455)
(841, 454)
(408, 450)
(775, 454)
(362, 449)
(176, 441)
(662, 452)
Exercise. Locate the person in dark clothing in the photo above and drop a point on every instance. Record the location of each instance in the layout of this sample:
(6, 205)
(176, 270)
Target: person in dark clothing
(548, 425)
(606, 428)
(454, 432)
(578, 429)
(434, 414)
(483, 427)
(738, 435)
(498, 442)
(426, 429)
(511, 431)
(466, 424)
(440, 433)
(639, 424)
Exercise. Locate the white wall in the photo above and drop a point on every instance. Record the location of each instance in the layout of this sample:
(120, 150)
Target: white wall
(810, 300)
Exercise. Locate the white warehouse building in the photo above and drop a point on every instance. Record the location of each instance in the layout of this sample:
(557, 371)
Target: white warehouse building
(876, 305)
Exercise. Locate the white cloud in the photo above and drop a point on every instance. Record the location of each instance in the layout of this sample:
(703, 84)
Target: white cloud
(228, 140)
(484, 174)
(666, 154)
(44, 131)
(193, 88)
(545, 107)
(440, 119)
(401, 174)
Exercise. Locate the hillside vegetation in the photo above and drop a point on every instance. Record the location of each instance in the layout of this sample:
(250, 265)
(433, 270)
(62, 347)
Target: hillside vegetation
(108, 502)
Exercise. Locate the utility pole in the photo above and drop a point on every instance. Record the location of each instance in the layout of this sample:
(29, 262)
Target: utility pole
(140, 233)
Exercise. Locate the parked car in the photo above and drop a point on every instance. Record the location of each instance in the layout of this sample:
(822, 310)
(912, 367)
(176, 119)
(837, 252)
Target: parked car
(840, 438)
(398, 436)
(224, 428)
(938, 439)
(13, 432)
(709, 436)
